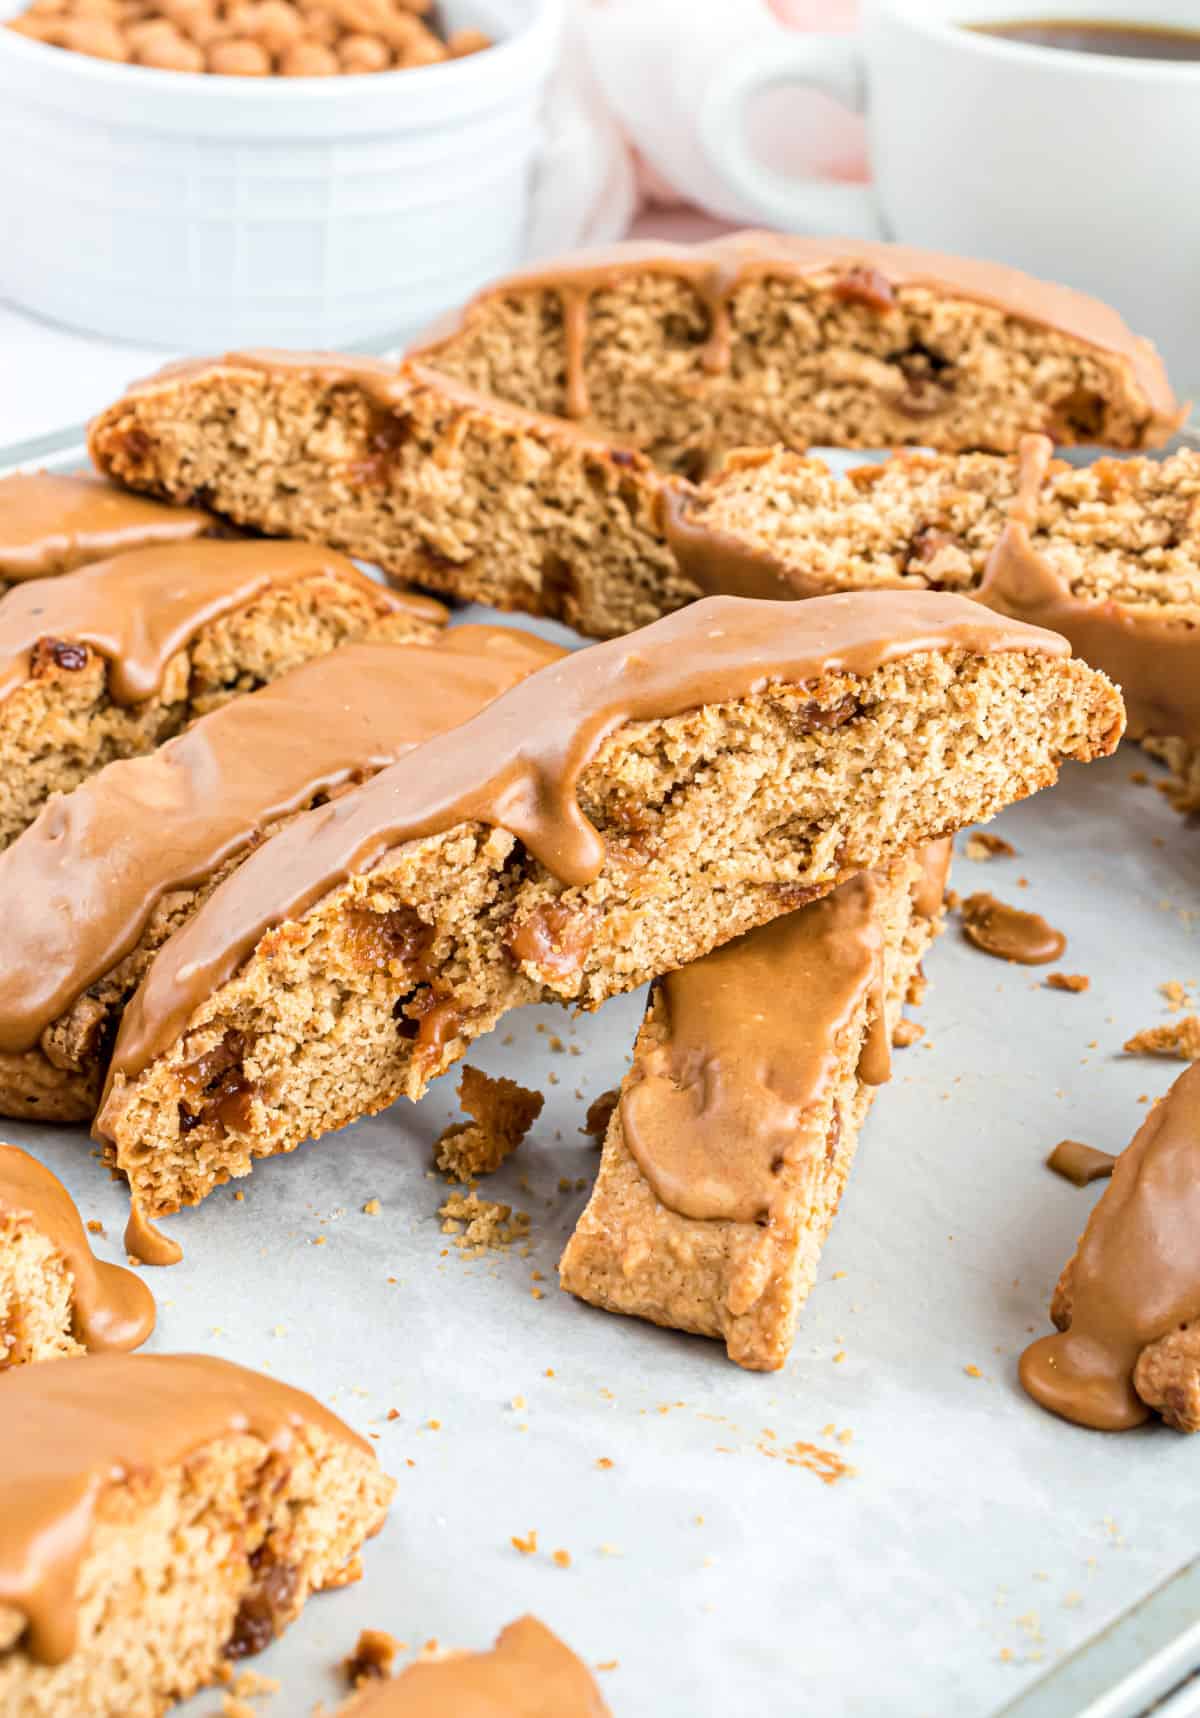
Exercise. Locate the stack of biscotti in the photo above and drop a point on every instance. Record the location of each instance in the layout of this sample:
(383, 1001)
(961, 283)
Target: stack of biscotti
(109, 661)
(102, 877)
(56, 1298)
(728, 1151)
(160, 1516)
(612, 817)
(687, 351)
(53, 522)
(529, 1673)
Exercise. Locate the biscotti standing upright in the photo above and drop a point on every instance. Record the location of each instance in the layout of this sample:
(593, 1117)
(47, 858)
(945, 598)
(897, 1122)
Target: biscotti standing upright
(1127, 1305)
(407, 468)
(159, 1516)
(529, 1673)
(616, 815)
(53, 522)
(101, 878)
(729, 1149)
(109, 661)
(689, 351)
(56, 1298)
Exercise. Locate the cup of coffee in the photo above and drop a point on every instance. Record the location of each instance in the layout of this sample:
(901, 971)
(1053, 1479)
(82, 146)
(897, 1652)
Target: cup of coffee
(1063, 139)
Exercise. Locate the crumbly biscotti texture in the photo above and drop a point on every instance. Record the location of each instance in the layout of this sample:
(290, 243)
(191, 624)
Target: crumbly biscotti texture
(438, 487)
(1167, 1373)
(807, 366)
(1126, 530)
(36, 1295)
(714, 821)
(62, 724)
(745, 1283)
(196, 1564)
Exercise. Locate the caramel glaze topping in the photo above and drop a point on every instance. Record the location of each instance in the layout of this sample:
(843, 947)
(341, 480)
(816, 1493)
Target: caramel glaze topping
(1009, 933)
(930, 890)
(714, 1110)
(138, 609)
(866, 272)
(71, 1429)
(84, 879)
(529, 1673)
(517, 766)
(110, 1307)
(1079, 1163)
(53, 523)
(1135, 1276)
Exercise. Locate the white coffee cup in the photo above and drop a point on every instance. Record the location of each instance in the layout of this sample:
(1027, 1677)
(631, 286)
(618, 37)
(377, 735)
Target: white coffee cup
(1079, 167)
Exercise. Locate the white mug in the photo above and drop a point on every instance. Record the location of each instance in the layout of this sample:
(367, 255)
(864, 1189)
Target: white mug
(1082, 168)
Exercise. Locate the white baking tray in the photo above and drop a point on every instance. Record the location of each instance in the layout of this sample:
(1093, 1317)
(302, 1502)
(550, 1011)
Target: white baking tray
(983, 1558)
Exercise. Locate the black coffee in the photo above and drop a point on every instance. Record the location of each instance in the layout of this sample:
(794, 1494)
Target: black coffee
(1088, 36)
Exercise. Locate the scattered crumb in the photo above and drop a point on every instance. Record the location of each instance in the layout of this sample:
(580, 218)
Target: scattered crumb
(232, 1707)
(249, 1685)
(561, 1559)
(604, 1461)
(240, 1197)
(518, 1404)
(434, 1425)
(1175, 995)
(372, 1658)
(1139, 778)
(503, 1113)
(839, 1357)
(393, 1413)
(488, 1225)
(556, 1044)
(526, 1546)
(981, 846)
(1075, 981)
(372, 1208)
(907, 1032)
(972, 1372)
(318, 1240)
(1178, 1038)
(95, 1227)
(609, 1664)
(600, 1112)
(918, 984)
(828, 1466)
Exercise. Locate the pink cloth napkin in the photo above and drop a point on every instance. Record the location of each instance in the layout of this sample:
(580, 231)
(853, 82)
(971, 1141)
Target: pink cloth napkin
(622, 142)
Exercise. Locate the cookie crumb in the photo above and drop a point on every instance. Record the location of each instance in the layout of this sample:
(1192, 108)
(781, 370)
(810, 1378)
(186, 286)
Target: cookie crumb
(972, 1372)
(562, 1559)
(981, 846)
(526, 1546)
(502, 1114)
(907, 1032)
(372, 1208)
(372, 1658)
(1178, 1038)
(488, 1225)
(95, 1227)
(1073, 981)
(599, 1114)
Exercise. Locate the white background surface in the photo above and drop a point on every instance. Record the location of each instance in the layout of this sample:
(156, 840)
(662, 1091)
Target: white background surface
(979, 1538)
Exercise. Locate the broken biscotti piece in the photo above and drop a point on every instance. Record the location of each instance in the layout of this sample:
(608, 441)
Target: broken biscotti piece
(160, 1515)
(614, 816)
(102, 877)
(529, 1673)
(53, 522)
(726, 1157)
(434, 483)
(502, 1113)
(109, 661)
(1127, 1305)
(687, 351)
(56, 1297)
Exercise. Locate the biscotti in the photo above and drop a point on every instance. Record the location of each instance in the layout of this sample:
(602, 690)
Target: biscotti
(161, 1515)
(101, 878)
(689, 351)
(726, 1157)
(405, 468)
(54, 522)
(1127, 1305)
(109, 661)
(614, 816)
(56, 1298)
(529, 1673)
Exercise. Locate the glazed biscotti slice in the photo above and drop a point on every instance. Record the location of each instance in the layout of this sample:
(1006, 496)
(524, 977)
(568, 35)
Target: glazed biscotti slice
(1106, 554)
(161, 1515)
(102, 877)
(689, 351)
(529, 1673)
(400, 466)
(730, 1146)
(616, 815)
(53, 522)
(109, 661)
(1127, 1305)
(56, 1298)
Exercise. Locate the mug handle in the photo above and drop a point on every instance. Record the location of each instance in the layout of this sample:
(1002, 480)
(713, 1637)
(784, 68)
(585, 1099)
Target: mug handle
(832, 64)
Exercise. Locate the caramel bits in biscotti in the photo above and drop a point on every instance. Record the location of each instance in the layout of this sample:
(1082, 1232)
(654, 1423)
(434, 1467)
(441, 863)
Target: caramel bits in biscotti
(250, 38)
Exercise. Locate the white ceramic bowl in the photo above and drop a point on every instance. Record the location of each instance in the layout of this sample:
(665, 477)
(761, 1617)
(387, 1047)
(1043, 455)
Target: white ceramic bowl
(196, 211)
